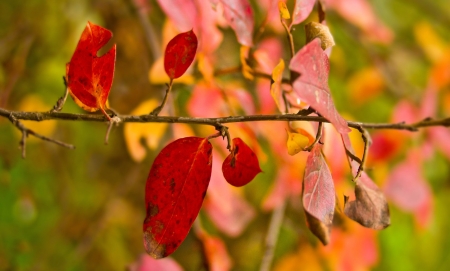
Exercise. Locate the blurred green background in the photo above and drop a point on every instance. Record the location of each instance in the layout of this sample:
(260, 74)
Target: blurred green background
(83, 209)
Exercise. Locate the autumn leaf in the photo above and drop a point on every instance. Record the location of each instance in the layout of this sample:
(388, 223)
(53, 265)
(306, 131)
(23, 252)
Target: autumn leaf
(298, 142)
(89, 77)
(241, 165)
(302, 9)
(176, 186)
(180, 53)
(370, 207)
(239, 15)
(318, 195)
(151, 133)
(275, 85)
(284, 12)
(312, 86)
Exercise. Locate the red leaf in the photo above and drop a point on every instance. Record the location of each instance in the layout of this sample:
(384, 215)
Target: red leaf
(241, 165)
(180, 53)
(312, 86)
(89, 76)
(319, 197)
(176, 186)
(239, 15)
(182, 12)
(302, 9)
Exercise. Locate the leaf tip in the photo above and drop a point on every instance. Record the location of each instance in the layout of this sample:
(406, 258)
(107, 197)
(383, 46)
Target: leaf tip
(153, 248)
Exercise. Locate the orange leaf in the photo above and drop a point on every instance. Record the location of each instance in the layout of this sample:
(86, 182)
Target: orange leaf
(90, 77)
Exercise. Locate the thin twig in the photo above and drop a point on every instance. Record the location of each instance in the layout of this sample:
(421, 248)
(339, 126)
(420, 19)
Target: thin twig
(41, 116)
(318, 137)
(25, 132)
(157, 110)
(289, 37)
(61, 101)
(366, 139)
(272, 236)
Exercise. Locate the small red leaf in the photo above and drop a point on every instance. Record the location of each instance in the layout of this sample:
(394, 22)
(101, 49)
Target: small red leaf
(241, 165)
(312, 86)
(90, 77)
(176, 186)
(180, 53)
(318, 192)
(239, 15)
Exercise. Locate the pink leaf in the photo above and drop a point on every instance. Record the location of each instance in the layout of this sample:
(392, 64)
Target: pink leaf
(406, 187)
(312, 86)
(147, 263)
(239, 15)
(227, 209)
(182, 13)
(302, 9)
(318, 194)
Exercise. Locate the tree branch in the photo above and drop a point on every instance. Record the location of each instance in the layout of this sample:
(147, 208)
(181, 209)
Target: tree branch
(41, 116)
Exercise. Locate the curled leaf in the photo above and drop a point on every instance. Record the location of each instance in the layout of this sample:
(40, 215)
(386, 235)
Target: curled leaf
(179, 54)
(174, 192)
(296, 142)
(318, 194)
(241, 165)
(370, 208)
(89, 77)
(316, 30)
(275, 86)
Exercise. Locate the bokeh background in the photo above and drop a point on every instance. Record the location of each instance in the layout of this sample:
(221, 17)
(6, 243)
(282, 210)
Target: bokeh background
(83, 209)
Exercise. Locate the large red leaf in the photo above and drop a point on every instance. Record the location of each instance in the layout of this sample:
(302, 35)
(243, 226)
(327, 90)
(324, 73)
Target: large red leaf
(239, 15)
(180, 53)
(302, 9)
(176, 186)
(241, 165)
(90, 77)
(319, 197)
(312, 86)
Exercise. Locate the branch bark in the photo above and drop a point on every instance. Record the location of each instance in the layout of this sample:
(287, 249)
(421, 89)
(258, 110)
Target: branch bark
(42, 116)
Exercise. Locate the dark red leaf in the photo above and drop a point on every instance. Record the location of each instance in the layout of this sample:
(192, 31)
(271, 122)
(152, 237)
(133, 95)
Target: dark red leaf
(312, 86)
(318, 193)
(176, 186)
(180, 53)
(89, 76)
(370, 207)
(239, 15)
(302, 9)
(241, 165)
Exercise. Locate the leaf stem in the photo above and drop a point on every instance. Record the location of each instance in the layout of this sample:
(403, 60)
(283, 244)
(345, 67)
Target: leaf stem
(318, 137)
(367, 143)
(157, 110)
(62, 100)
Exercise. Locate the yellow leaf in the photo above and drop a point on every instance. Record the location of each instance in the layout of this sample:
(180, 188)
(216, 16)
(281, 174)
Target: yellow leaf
(35, 103)
(296, 142)
(247, 71)
(430, 42)
(150, 132)
(275, 87)
(284, 12)
(304, 259)
(205, 67)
